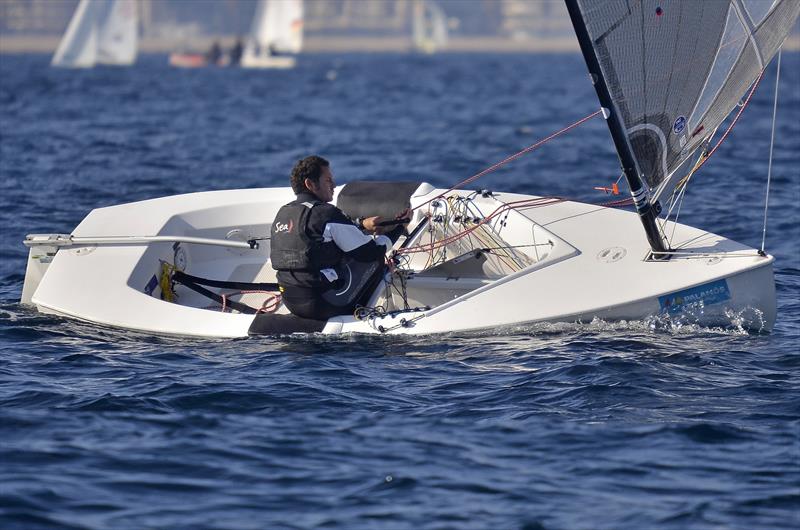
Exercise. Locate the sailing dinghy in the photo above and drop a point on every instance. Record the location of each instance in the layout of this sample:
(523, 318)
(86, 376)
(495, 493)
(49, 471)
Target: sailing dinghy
(277, 31)
(100, 32)
(666, 76)
(428, 27)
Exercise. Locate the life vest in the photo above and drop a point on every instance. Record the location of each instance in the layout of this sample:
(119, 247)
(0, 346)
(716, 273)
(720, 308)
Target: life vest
(292, 249)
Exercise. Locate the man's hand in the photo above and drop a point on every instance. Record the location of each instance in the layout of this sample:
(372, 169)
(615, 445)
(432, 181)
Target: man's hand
(406, 215)
(376, 224)
(370, 224)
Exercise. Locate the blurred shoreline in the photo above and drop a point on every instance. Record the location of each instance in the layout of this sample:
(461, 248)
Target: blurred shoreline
(12, 44)
(317, 44)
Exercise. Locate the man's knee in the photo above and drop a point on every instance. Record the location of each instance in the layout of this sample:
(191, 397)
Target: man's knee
(312, 307)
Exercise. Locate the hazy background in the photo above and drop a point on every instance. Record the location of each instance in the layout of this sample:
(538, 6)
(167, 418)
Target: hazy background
(330, 25)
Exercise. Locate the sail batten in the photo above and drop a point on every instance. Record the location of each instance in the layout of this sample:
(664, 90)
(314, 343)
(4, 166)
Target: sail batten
(675, 70)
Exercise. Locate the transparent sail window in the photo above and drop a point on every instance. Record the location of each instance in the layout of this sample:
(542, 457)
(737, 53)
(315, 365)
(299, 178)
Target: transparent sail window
(758, 9)
(734, 39)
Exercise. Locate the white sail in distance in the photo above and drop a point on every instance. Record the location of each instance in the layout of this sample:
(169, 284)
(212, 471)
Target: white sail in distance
(117, 40)
(78, 46)
(100, 32)
(429, 26)
(277, 28)
(675, 70)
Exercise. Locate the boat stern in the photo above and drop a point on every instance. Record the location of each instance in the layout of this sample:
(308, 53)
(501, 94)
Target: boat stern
(42, 250)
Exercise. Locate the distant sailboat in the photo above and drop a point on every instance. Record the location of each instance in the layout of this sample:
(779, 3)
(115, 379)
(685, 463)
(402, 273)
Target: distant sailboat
(213, 57)
(100, 32)
(277, 29)
(429, 26)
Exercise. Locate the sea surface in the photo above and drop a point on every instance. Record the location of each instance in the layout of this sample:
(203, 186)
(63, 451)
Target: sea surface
(633, 425)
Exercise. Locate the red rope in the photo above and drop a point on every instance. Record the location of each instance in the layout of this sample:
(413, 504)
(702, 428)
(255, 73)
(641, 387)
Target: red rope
(545, 201)
(512, 157)
(619, 202)
(735, 119)
(271, 304)
(524, 203)
(629, 200)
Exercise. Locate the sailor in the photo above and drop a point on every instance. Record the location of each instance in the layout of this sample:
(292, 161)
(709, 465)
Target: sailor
(214, 54)
(236, 52)
(326, 263)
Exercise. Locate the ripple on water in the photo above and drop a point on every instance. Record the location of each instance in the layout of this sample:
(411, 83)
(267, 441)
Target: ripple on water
(659, 423)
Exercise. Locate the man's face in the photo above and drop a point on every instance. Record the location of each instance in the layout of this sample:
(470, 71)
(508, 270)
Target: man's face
(324, 189)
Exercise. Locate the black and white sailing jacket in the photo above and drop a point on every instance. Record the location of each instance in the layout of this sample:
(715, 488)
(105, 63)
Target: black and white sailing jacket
(309, 238)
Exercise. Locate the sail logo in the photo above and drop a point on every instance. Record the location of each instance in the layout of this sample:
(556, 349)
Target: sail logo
(700, 296)
(679, 125)
(284, 227)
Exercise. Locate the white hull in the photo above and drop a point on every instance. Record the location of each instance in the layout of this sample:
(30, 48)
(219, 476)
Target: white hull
(592, 264)
(267, 61)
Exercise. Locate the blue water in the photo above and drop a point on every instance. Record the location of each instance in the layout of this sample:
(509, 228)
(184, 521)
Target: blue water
(597, 425)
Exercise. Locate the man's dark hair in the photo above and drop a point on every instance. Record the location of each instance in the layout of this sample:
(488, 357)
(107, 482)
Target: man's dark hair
(308, 168)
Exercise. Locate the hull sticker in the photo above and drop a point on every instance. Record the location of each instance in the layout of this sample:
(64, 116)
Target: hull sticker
(151, 285)
(679, 125)
(709, 293)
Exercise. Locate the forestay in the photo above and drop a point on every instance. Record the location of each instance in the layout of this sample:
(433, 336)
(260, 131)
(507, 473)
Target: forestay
(676, 69)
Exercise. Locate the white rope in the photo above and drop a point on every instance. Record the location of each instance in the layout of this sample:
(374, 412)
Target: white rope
(681, 196)
(771, 145)
(676, 199)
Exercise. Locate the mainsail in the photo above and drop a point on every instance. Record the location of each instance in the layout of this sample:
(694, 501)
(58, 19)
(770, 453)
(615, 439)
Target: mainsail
(100, 31)
(429, 26)
(277, 28)
(117, 39)
(675, 69)
(78, 46)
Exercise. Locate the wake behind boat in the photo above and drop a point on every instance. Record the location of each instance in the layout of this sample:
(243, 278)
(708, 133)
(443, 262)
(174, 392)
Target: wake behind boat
(198, 264)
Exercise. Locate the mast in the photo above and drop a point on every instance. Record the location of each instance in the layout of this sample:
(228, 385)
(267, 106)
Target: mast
(641, 196)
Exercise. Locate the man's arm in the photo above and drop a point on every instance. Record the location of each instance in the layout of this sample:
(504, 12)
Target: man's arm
(348, 237)
(377, 224)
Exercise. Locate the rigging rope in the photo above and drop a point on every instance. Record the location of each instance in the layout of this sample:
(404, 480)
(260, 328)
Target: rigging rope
(703, 159)
(545, 201)
(730, 127)
(433, 245)
(430, 247)
(511, 158)
(771, 145)
(680, 188)
(504, 207)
